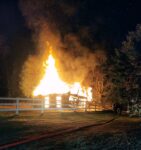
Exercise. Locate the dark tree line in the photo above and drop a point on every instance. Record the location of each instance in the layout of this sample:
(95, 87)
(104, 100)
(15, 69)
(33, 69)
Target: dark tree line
(123, 70)
(13, 54)
(3, 66)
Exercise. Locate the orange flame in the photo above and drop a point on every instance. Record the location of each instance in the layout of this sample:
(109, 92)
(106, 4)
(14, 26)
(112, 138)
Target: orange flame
(52, 84)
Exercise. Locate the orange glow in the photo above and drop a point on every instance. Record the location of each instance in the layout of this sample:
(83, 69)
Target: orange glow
(51, 83)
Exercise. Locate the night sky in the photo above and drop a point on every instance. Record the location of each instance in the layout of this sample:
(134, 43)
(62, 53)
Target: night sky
(11, 20)
(109, 20)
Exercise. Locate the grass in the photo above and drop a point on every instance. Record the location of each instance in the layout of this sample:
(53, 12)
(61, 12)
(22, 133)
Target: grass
(123, 133)
(14, 127)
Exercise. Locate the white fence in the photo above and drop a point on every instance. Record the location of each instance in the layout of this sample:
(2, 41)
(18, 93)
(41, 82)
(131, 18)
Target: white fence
(36, 104)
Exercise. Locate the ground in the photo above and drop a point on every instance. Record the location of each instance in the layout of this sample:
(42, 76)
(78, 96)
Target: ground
(108, 131)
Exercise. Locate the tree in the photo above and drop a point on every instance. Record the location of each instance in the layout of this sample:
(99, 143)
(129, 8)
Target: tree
(4, 50)
(123, 69)
(20, 48)
(131, 48)
(96, 78)
(117, 70)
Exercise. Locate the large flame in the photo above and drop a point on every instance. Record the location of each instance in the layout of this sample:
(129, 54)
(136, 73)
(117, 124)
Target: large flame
(51, 83)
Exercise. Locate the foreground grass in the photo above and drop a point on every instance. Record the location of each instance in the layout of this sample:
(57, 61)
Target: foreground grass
(14, 127)
(123, 133)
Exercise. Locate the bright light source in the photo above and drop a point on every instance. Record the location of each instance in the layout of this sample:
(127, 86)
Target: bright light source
(71, 98)
(89, 94)
(58, 101)
(47, 102)
(58, 98)
(51, 83)
(47, 98)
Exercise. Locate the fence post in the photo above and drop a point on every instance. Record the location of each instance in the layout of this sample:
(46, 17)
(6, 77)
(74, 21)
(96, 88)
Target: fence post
(17, 106)
(42, 106)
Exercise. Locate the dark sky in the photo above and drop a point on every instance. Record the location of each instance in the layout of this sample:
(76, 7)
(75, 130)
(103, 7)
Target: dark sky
(110, 20)
(11, 20)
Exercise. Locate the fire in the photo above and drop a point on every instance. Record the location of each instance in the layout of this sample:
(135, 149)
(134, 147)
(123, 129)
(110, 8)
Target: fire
(51, 83)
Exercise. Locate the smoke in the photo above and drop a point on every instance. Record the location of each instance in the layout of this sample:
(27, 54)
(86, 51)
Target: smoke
(77, 60)
(55, 22)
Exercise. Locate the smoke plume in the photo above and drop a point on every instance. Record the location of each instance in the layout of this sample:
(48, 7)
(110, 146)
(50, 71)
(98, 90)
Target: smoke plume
(56, 22)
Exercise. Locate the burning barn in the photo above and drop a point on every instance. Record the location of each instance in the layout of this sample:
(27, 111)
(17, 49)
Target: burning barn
(56, 92)
(64, 101)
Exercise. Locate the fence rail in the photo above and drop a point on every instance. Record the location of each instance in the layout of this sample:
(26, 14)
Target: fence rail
(8, 104)
(33, 104)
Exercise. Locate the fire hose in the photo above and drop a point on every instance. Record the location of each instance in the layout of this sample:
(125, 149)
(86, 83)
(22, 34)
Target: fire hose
(54, 134)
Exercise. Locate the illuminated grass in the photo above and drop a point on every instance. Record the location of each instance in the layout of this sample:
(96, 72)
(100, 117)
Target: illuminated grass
(26, 124)
(123, 133)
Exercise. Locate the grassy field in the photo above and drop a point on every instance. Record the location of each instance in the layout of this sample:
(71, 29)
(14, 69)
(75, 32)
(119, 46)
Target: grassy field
(122, 133)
